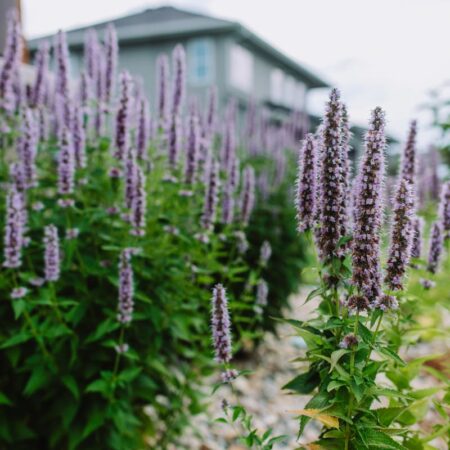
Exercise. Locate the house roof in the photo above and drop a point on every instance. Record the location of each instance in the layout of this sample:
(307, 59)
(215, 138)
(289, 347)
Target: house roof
(168, 22)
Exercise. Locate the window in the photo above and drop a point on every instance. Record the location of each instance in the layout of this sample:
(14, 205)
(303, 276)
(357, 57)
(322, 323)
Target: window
(276, 85)
(241, 68)
(200, 54)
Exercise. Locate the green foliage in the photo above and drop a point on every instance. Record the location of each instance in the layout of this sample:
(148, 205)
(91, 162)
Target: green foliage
(63, 383)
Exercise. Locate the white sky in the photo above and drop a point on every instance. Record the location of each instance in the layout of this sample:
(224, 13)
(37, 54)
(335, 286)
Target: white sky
(378, 52)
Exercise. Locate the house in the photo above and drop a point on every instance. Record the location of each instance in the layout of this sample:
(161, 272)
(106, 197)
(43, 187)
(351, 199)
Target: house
(219, 52)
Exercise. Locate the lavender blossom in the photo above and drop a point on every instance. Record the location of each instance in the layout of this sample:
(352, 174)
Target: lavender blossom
(91, 50)
(247, 195)
(234, 173)
(192, 151)
(228, 150)
(220, 325)
(306, 185)
(436, 244)
(427, 284)
(85, 91)
(211, 197)
(369, 211)
(43, 126)
(179, 79)
(126, 291)
(345, 173)
(11, 60)
(131, 169)
(123, 117)
(211, 112)
(19, 292)
(444, 209)
(14, 229)
(386, 303)
(417, 229)
(62, 73)
(228, 203)
(174, 138)
(72, 233)
(28, 148)
(330, 180)
(262, 292)
(408, 164)
(66, 164)
(17, 174)
(52, 256)
(139, 205)
(79, 138)
(42, 61)
(162, 76)
(111, 52)
(401, 236)
(143, 130)
(265, 253)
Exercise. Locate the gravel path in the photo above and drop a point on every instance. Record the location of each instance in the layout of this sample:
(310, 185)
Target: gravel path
(261, 394)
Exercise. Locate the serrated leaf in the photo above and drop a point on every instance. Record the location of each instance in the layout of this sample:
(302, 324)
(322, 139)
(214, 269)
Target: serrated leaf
(304, 383)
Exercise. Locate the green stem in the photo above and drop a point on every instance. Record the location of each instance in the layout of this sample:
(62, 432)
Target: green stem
(374, 338)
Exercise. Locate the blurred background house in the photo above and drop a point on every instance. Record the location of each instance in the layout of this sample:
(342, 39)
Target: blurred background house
(219, 52)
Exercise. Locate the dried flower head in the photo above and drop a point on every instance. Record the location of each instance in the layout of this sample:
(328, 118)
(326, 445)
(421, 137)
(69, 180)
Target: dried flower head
(349, 341)
(358, 303)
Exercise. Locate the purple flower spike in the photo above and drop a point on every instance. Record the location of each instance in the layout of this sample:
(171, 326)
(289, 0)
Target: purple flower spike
(306, 185)
(220, 325)
(42, 60)
(248, 194)
(14, 229)
(401, 236)
(111, 51)
(131, 168)
(28, 148)
(192, 152)
(346, 136)
(330, 180)
(123, 117)
(444, 209)
(66, 164)
(265, 253)
(11, 60)
(234, 173)
(179, 79)
(79, 138)
(162, 76)
(91, 54)
(228, 203)
(228, 151)
(126, 291)
(436, 245)
(262, 292)
(211, 197)
(52, 257)
(417, 229)
(62, 74)
(174, 137)
(85, 91)
(408, 164)
(211, 112)
(143, 131)
(369, 210)
(139, 205)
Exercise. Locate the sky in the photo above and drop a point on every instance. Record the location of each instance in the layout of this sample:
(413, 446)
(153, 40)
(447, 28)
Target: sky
(389, 53)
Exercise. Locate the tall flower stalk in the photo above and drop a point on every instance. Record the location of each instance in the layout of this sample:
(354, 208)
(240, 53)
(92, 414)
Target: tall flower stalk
(401, 236)
(14, 229)
(52, 257)
(306, 184)
(126, 288)
(369, 211)
(436, 246)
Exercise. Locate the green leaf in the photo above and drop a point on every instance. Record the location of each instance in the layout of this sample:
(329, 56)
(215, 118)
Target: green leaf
(304, 383)
(71, 384)
(18, 306)
(18, 338)
(376, 439)
(391, 355)
(105, 327)
(4, 400)
(99, 385)
(129, 374)
(336, 356)
(39, 378)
